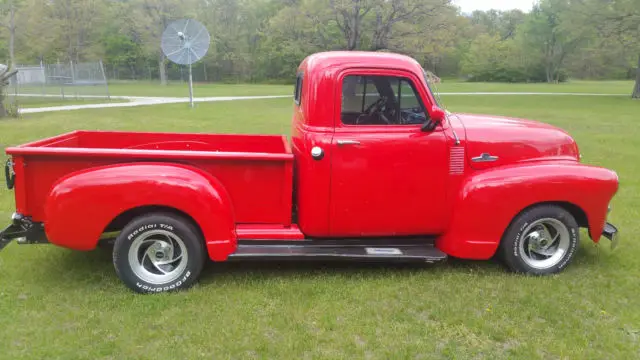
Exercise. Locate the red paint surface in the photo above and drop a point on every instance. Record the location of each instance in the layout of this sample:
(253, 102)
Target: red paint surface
(398, 180)
(268, 232)
(68, 189)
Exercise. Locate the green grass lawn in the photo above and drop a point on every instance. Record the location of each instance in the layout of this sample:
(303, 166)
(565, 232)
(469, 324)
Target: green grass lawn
(57, 303)
(594, 87)
(177, 89)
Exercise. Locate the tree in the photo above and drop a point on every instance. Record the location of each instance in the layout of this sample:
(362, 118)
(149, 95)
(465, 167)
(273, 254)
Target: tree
(74, 24)
(149, 18)
(546, 33)
(488, 59)
(434, 41)
(415, 13)
(349, 16)
(8, 9)
(5, 74)
(498, 23)
(294, 32)
(619, 20)
(258, 40)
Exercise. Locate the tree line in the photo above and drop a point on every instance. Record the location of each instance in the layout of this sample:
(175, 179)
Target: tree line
(264, 40)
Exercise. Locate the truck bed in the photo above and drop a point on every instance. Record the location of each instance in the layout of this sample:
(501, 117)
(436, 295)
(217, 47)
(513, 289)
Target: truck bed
(256, 170)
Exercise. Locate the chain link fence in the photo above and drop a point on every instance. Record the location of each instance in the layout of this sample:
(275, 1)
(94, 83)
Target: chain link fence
(50, 82)
(150, 72)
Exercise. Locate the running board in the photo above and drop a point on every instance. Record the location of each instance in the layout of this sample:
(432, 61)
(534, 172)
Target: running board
(317, 250)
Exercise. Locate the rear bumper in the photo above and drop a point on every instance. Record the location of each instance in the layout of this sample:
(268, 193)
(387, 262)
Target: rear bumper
(24, 231)
(611, 233)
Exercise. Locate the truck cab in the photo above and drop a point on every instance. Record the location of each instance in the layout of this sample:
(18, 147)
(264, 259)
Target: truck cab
(375, 169)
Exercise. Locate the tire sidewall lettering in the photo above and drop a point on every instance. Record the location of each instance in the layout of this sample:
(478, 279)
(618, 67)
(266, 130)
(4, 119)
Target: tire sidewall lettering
(155, 288)
(516, 243)
(572, 248)
(144, 286)
(140, 230)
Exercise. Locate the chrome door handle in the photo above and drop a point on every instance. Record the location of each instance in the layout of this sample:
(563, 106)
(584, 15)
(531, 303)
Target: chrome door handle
(348, 142)
(485, 157)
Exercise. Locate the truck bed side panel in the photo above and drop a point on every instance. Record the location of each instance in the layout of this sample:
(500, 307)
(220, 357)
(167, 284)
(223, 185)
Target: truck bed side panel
(258, 180)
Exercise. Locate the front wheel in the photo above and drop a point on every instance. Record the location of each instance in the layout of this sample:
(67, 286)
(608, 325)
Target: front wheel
(540, 241)
(158, 253)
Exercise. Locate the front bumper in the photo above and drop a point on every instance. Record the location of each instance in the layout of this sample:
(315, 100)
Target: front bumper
(611, 233)
(24, 231)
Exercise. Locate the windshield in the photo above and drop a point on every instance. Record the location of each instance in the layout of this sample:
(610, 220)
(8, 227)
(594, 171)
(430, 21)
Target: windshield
(432, 88)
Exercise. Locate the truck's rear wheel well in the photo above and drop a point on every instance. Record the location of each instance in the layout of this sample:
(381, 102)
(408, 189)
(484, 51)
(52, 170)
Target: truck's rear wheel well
(120, 221)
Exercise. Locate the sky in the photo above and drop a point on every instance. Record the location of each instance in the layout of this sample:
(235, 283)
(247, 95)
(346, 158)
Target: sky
(468, 6)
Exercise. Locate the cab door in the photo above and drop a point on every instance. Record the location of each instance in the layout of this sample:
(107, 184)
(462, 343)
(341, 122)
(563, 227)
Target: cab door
(388, 176)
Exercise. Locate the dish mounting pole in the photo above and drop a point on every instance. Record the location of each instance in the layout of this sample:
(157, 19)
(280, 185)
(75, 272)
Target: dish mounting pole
(190, 87)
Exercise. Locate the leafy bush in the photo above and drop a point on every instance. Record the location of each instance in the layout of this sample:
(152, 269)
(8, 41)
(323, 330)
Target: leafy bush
(515, 75)
(491, 59)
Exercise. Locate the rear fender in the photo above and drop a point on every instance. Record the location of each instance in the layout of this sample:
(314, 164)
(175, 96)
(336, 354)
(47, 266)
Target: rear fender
(82, 204)
(489, 200)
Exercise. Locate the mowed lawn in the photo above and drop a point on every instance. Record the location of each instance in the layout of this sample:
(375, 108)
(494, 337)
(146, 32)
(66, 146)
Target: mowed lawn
(179, 89)
(61, 304)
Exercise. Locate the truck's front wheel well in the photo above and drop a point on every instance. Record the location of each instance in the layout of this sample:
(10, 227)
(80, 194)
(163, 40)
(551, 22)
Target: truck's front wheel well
(120, 221)
(574, 210)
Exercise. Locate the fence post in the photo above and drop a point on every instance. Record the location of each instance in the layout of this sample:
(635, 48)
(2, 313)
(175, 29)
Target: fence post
(44, 77)
(106, 83)
(73, 79)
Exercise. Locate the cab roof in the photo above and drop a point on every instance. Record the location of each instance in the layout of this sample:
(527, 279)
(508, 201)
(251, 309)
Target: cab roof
(330, 59)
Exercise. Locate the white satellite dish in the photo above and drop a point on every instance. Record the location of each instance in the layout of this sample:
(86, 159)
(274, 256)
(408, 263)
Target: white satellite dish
(184, 42)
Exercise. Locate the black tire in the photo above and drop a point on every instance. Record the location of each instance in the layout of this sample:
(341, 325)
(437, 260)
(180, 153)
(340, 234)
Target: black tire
(155, 237)
(520, 260)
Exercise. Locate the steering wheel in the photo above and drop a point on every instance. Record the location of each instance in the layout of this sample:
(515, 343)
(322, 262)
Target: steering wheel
(376, 107)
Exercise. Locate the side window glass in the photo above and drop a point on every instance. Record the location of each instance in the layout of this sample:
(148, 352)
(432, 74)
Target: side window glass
(409, 96)
(352, 88)
(380, 100)
(297, 92)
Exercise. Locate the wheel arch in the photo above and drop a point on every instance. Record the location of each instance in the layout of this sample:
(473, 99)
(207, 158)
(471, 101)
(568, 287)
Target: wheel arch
(81, 206)
(576, 211)
(489, 201)
(120, 221)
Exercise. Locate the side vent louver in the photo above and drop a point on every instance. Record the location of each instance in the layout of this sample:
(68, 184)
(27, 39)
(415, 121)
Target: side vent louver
(456, 160)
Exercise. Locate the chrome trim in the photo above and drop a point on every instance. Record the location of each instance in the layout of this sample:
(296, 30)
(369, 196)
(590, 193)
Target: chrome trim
(455, 135)
(348, 142)
(485, 157)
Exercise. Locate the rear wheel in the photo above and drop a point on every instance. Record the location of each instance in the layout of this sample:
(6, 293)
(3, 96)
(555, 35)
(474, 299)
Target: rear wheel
(158, 253)
(540, 241)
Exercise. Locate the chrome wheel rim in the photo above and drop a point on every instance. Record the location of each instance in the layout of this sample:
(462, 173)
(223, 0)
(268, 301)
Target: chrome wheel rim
(158, 257)
(544, 243)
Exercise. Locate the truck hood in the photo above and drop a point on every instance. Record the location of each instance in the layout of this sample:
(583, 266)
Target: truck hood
(495, 141)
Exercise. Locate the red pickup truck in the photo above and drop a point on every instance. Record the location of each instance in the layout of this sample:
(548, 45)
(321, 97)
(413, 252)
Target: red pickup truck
(375, 170)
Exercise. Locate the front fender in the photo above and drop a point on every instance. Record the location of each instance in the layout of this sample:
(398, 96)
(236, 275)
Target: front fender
(82, 204)
(489, 200)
